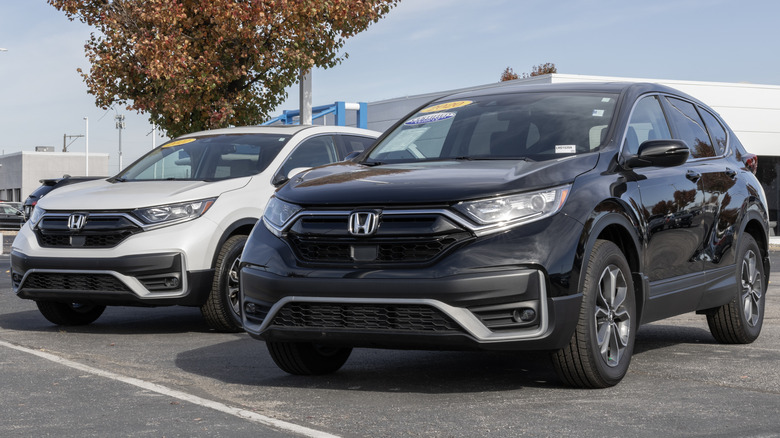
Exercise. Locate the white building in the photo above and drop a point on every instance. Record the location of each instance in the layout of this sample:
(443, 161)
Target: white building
(21, 172)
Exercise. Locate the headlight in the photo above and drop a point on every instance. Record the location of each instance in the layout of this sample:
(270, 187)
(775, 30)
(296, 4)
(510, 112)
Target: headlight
(277, 213)
(35, 216)
(163, 214)
(515, 209)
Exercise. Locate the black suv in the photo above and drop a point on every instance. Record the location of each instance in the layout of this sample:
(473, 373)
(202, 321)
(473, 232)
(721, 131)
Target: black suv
(47, 185)
(554, 217)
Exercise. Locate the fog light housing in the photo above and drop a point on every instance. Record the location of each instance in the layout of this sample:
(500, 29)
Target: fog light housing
(524, 315)
(172, 282)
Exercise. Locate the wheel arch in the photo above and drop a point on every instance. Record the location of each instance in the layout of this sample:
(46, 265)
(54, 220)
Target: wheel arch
(612, 221)
(756, 225)
(239, 227)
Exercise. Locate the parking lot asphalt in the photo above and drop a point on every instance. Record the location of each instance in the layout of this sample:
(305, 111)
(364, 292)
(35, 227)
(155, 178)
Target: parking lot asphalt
(154, 372)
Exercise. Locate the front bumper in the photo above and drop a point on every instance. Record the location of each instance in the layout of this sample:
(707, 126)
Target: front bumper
(135, 280)
(488, 310)
(165, 266)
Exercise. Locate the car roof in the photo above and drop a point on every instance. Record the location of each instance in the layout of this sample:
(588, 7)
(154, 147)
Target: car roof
(600, 87)
(282, 130)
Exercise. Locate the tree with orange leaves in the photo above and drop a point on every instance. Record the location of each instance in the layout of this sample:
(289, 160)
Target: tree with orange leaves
(203, 64)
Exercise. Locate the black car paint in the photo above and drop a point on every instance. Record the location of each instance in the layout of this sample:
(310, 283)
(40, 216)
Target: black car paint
(11, 218)
(47, 185)
(641, 209)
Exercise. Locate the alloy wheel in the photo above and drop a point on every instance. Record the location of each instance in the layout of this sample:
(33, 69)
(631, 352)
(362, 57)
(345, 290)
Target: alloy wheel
(751, 288)
(612, 318)
(232, 285)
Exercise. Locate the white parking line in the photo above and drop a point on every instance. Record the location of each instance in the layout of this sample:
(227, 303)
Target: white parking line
(241, 413)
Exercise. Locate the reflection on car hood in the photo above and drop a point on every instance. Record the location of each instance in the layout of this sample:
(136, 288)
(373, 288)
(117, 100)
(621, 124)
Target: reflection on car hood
(104, 195)
(429, 182)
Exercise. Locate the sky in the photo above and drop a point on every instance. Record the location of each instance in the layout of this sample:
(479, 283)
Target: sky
(421, 46)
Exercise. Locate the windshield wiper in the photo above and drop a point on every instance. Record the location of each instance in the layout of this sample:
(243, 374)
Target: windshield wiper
(372, 163)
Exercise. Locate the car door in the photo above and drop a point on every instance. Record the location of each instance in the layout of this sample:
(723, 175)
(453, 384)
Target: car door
(723, 196)
(312, 152)
(672, 202)
(351, 144)
(9, 217)
(707, 140)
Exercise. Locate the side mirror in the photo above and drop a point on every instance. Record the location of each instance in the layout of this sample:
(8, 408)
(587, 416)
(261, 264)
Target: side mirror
(281, 178)
(661, 153)
(352, 155)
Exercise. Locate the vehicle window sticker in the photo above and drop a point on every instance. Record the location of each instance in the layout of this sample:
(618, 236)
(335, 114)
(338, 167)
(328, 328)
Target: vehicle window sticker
(446, 106)
(429, 118)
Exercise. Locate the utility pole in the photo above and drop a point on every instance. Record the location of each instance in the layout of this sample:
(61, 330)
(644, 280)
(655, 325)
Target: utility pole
(86, 150)
(120, 125)
(305, 97)
(65, 138)
(154, 135)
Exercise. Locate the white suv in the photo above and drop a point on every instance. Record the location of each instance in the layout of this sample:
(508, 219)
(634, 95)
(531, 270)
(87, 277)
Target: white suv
(170, 228)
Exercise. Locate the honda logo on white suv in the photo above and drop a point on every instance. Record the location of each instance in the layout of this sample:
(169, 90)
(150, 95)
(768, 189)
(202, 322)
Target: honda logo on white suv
(363, 223)
(76, 221)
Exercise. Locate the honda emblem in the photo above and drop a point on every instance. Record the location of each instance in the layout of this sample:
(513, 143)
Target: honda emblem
(363, 223)
(76, 221)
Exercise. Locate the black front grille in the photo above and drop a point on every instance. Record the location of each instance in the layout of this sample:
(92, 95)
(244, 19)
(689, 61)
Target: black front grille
(400, 239)
(400, 250)
(417, 318)
(83, 241)
(99, 231)
(81, 282)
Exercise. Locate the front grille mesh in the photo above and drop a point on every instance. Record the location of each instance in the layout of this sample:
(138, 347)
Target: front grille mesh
(81, 282)
(104, 230)
(406, 318)
(409, 250)
(99, 241)
(399, 239)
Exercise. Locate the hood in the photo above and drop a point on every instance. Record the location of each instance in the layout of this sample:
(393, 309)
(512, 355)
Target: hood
(104, 195)
(433, 182)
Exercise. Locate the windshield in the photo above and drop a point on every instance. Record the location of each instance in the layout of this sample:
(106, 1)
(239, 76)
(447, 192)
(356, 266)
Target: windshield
(207, 158)
(532, 125)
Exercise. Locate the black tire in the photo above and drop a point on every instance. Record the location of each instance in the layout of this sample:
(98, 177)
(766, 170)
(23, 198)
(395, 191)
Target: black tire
(306, 358)
(222, 309)
(70, 313)
(740, 321)
(600, 349)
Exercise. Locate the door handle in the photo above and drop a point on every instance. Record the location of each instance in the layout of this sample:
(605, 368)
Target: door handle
(693, 176)
(731, 173)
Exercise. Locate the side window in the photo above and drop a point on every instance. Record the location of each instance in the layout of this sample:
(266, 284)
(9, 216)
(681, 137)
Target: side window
(312, 152)
(353, 143)
(690, 128)
(647, 123)
(717, 132)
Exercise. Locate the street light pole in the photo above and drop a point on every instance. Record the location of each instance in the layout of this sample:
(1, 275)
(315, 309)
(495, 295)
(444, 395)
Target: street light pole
(86, 150)
(120, 125)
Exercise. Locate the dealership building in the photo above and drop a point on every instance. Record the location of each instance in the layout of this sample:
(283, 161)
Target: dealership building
(21, 172)
(751, 110)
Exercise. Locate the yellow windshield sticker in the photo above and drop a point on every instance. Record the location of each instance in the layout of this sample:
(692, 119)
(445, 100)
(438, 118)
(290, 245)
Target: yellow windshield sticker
(446, 106)
(178, 142)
